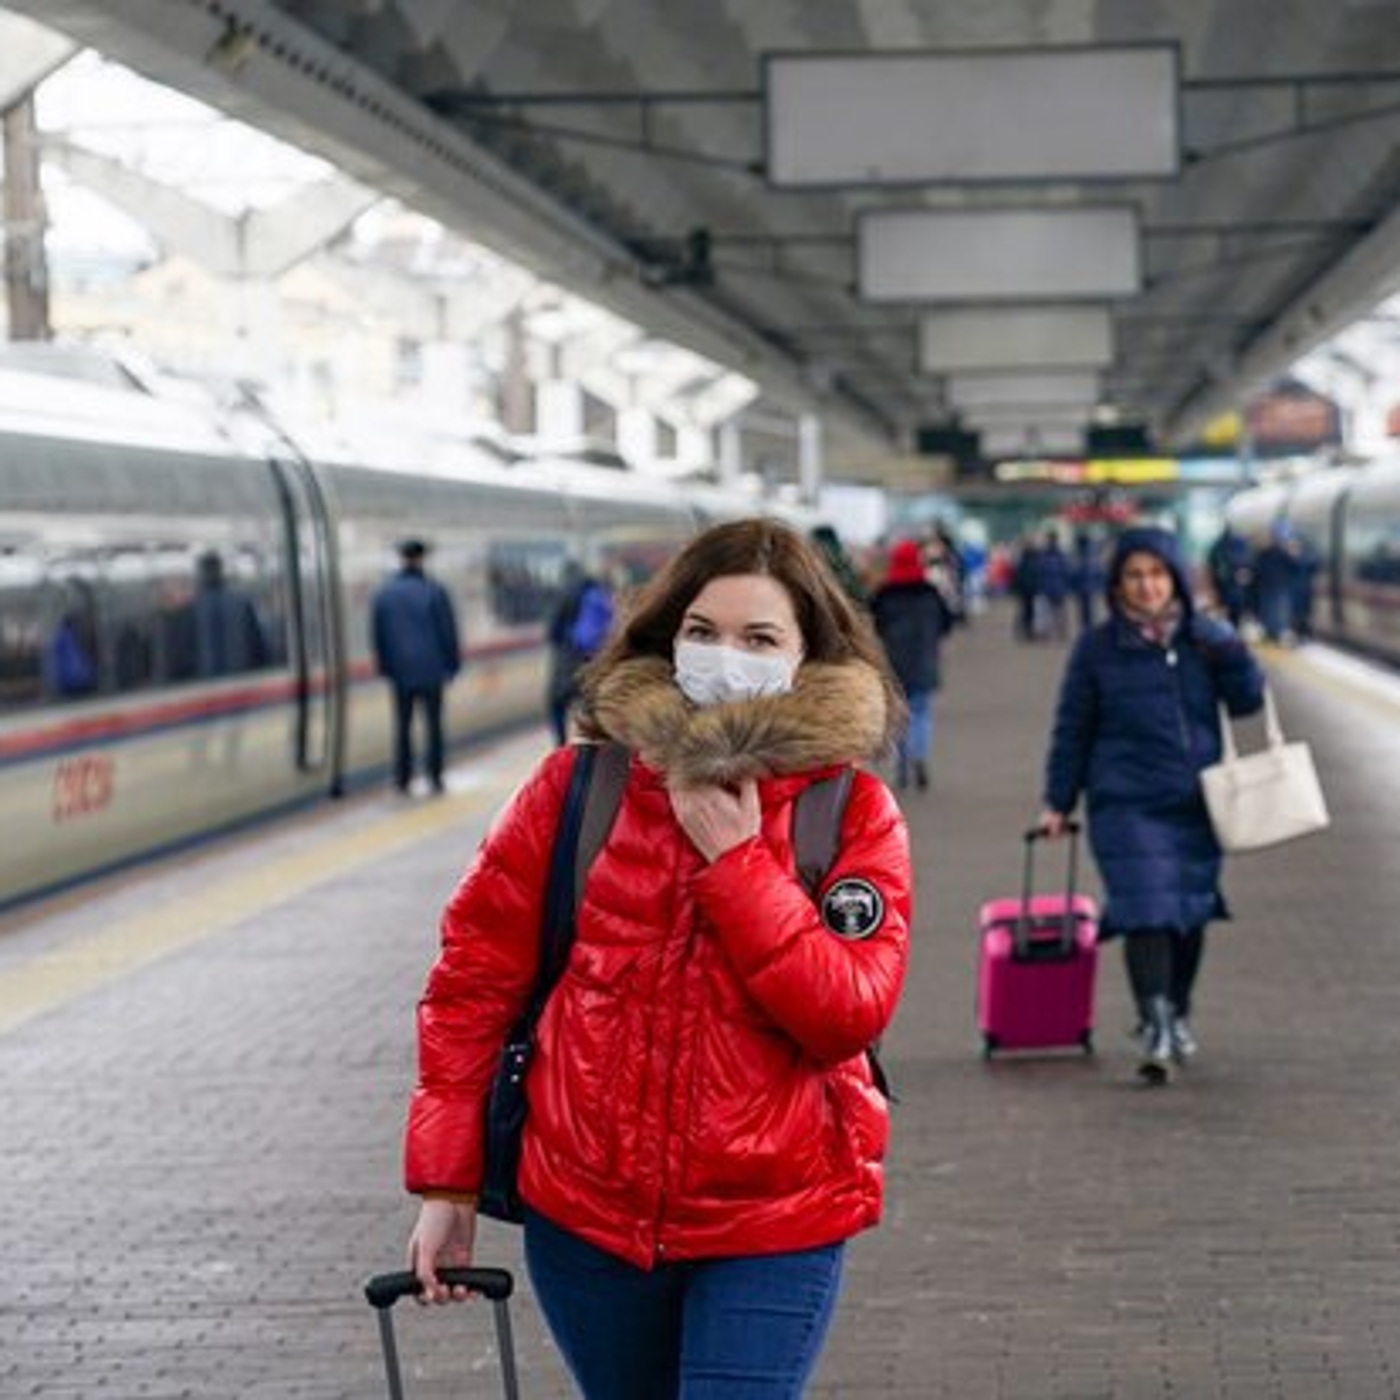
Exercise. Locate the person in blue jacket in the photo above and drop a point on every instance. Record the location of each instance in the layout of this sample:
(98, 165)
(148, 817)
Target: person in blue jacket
(1137, 720)
(417, 649)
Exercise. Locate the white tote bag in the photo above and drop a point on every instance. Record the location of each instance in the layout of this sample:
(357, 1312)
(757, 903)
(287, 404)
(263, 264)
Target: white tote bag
(1264, 798)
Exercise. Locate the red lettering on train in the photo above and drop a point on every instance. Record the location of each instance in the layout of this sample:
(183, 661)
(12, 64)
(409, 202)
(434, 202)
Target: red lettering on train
(82, 786)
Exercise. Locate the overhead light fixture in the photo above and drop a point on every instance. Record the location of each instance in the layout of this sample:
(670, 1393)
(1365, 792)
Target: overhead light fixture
(1079, 388)
(902, 118)
(1015, 337)
(999, 255)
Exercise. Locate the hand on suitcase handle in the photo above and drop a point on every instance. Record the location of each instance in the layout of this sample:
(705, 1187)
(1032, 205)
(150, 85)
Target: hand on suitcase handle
(1042, 830)
(384, 1290)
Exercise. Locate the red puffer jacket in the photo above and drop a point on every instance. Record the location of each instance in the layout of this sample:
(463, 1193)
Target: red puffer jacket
(700, 1085)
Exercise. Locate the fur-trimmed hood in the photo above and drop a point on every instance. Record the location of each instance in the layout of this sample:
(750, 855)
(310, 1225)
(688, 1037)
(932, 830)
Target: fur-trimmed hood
(835, 713)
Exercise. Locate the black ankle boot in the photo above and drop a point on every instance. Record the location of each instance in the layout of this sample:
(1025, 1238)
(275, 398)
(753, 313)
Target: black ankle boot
(921, 773)
(1155, 1066)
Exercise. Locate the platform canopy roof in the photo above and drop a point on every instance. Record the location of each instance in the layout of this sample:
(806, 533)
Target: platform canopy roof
(875, 208)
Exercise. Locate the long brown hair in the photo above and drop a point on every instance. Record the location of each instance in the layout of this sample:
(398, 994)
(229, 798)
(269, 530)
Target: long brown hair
(833, 628)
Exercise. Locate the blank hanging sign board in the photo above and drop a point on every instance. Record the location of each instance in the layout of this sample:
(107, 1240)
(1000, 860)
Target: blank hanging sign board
(1014, 337)
(979, 116)
(963, 255)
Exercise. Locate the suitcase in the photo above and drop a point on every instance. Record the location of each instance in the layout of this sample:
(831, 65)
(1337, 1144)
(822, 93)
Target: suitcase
(1037, 963)
(384, 1290)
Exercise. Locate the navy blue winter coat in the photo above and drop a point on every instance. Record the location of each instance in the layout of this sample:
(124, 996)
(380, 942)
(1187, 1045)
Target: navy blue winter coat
(415, 632)
(912, 619)
(1135, 724)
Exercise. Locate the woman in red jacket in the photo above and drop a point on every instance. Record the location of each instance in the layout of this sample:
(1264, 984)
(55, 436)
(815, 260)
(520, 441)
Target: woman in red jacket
(704, 1130)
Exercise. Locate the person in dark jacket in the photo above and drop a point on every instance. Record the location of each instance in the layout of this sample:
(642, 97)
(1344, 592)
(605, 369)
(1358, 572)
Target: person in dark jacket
(1276, 584)
(839, 562)
(1137, 720)
(578, 627)
(417, 649)
(1053, 584)
(1086, 577)
(1231, 574)
(912, 618)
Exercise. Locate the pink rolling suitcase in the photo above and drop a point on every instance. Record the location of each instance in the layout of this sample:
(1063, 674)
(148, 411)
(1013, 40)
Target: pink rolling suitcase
(1039, 955)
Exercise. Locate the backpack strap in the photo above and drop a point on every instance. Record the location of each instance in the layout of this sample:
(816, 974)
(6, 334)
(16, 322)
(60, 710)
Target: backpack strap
(590, 803)
(611, 764)
(816, 826)
(560, 895)
(816, 837)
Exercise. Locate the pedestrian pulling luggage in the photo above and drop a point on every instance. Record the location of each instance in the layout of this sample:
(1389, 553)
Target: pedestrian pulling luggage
(1136, 722)
(704, 1127)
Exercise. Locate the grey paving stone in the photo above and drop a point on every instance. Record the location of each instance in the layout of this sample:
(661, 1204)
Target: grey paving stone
(201, 1159)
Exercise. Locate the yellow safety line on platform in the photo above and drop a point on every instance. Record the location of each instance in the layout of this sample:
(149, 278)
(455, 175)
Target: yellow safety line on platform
(1320, 674)
(54, 978)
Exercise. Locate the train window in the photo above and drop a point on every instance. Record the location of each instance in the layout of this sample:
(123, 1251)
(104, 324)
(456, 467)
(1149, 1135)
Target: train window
(1374, 545)
(21, 630)
(226, 617)
(524, 579)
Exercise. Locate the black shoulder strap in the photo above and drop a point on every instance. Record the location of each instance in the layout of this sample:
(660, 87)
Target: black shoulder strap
(816, 826)
(557, 918)
(590, 803)
(610, 769)
(816, 837)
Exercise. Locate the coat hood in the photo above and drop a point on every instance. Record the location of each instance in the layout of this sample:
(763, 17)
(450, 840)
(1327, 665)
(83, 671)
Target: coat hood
(835, 713)
(906, 563)
(1148, 539)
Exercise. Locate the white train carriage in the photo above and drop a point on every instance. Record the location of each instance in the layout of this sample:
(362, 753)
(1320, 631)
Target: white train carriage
(128, 727)
(1350, 520)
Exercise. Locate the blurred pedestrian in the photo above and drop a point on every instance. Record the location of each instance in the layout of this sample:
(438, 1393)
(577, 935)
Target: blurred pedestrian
(1086, 577)
(418, 650)
(1305, 566)
(1136, 722)
(1025, 584)
(1276, 584)
(578, 628)
(828, 543)
(912, 618)
(1228, 562)
(704, 1130)
(1053, 585)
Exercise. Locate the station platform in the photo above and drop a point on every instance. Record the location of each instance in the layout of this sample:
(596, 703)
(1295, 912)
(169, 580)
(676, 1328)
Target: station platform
(206, 1068)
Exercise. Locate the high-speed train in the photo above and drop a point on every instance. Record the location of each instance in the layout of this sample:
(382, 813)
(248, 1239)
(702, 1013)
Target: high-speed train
(1350, 518)
(122, 734)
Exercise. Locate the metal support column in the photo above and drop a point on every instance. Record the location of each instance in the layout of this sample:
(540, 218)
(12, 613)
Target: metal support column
(26, 265)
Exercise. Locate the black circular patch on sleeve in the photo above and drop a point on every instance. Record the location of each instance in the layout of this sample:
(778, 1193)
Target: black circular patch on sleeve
(853, 908)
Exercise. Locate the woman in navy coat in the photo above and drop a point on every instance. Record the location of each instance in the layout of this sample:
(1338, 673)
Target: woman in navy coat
(1136, 722)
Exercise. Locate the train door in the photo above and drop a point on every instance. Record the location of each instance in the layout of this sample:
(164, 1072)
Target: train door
(316, 634)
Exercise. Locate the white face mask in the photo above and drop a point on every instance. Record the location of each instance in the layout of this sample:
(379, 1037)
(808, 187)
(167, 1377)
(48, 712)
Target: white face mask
(709, 674)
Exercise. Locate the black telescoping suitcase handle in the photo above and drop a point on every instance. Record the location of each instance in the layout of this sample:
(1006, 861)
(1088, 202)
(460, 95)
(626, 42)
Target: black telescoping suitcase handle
(1023, 923)
(384, 1290)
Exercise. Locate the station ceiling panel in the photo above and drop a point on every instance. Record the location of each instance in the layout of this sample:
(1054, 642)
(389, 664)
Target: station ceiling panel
(666, 159)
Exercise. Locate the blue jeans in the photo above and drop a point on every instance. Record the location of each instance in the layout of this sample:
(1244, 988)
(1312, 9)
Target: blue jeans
(744, 1328)
(917, 739)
